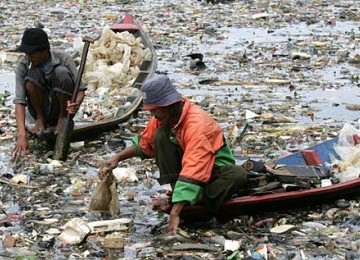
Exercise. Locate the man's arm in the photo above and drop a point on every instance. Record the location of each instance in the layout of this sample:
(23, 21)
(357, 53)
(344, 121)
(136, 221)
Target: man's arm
(72, 108)
(21, 143)
(174, 220)
(20, 119)
(80, 97)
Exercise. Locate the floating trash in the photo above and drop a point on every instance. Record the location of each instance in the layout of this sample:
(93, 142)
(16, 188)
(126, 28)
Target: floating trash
(74, 232)
(299, 74)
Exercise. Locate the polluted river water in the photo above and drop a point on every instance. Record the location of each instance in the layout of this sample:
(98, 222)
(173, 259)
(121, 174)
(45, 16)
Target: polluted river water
(240, 62)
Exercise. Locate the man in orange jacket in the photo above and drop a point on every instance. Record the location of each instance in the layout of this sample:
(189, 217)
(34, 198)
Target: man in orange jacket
(189, 148)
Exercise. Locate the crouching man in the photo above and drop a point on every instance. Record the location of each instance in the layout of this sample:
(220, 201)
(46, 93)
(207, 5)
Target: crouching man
(189, 148)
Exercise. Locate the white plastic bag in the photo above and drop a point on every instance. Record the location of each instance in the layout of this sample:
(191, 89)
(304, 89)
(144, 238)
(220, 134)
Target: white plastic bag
(346, 148)
(349, 152)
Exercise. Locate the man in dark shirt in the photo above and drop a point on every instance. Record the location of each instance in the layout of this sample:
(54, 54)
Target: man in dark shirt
(45, 81)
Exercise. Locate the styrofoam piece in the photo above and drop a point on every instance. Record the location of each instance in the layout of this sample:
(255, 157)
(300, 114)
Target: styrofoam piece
(125, 173)
(121, 224)
(75, 231)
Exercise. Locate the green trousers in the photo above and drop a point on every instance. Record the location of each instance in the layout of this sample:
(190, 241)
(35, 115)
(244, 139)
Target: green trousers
(224, 181)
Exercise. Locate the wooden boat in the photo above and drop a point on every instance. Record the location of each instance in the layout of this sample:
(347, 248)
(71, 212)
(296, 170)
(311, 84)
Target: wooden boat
(89, 130)
(267, 201)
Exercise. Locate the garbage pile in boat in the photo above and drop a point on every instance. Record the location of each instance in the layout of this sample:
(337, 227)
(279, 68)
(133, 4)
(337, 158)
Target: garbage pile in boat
(112, 65)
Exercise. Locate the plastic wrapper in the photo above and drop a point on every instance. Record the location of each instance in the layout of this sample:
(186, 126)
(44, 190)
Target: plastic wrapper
(349, 151)
(114, 58)
(346, 147)
(106, 199)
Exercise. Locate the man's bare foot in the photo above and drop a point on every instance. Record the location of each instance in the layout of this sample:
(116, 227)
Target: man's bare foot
(39, 127)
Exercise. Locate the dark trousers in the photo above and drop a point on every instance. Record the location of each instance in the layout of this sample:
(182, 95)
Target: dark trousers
(59, 80)
(224, 180)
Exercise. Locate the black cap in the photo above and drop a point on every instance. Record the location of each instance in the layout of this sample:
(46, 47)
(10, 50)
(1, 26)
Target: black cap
(32, 40)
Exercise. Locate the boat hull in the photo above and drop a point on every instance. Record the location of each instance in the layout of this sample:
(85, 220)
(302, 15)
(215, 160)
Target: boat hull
(261, 202)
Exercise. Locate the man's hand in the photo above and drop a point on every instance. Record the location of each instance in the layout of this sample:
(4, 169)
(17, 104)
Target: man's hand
(174, 220)
(107, 166)
(21, 147)
(72, 108)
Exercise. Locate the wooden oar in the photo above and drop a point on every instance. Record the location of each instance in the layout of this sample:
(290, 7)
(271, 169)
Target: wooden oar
(62, 143)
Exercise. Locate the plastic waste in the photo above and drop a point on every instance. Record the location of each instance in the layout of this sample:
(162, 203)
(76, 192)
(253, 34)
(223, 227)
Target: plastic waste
(348, 149)
(120, 224)
(260, 253)
(75, 231)
(326, 183)
(106, 198)
(125, 174)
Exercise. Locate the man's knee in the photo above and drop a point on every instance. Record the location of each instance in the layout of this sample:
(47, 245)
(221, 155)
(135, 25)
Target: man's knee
(62, 80)
(29, 85)
(61, 70)
(240, 176)
(61, 74)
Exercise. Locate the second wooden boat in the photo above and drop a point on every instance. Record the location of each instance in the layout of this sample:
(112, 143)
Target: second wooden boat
(268, 200)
